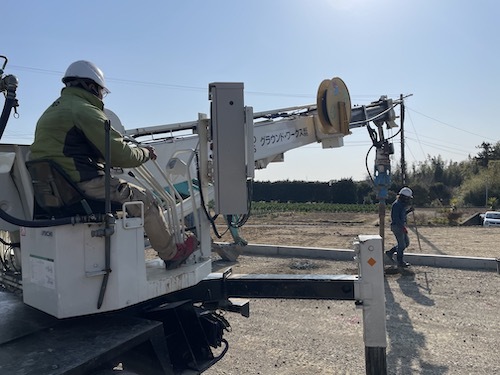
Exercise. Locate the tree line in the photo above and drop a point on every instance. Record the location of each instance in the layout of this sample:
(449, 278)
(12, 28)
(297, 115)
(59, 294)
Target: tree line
(435, 182)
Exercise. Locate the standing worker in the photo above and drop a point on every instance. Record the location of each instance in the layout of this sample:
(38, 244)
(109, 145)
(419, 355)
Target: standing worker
(71, 133)
(400, 208)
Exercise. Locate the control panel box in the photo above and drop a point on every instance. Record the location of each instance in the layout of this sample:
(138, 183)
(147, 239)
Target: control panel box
(229, 145)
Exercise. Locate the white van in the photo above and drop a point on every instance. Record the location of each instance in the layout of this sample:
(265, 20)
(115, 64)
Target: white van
(491, 219)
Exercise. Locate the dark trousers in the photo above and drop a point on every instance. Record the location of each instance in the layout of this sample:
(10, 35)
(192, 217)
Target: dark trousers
(403, 240)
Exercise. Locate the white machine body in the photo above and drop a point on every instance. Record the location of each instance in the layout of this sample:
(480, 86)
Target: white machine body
(63, 267)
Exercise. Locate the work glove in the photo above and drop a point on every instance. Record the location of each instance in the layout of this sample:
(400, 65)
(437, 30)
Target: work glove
(152, 152)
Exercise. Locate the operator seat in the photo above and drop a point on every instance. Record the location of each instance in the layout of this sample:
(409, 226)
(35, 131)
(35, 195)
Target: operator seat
(57, 196)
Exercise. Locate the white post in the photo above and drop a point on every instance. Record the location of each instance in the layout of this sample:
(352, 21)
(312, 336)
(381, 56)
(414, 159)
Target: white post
(370, 296)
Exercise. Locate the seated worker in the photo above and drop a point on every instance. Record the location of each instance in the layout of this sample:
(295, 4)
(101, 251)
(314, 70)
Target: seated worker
(71, 132)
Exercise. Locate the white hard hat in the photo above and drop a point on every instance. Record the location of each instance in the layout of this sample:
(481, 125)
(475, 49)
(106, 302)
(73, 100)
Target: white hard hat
(87, 70)
(406, 191)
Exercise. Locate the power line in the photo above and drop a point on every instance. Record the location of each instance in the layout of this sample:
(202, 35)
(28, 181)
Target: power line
(36, 70)
(439, 147)
(178, 86)
(451, 126)
(460, 147)
(413, 125)
(276, 94)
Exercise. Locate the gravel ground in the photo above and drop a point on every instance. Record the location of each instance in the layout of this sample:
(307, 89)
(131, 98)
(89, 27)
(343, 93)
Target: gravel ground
(439, 321)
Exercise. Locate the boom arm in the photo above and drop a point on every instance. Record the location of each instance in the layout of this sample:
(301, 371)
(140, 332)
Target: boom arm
(242, 140)
(280, 130)
(289, 128)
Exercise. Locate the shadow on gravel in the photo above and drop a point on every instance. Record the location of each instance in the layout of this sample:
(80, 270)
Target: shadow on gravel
(434, 248)
(404, 342)
(411, 288)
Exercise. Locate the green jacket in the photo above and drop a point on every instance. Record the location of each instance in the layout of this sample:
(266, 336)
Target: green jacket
(71, 132)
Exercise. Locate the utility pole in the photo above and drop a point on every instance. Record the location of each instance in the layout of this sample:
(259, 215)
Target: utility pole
(403, 160)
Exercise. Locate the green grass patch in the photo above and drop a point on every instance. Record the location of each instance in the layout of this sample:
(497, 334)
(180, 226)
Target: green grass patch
(271, 207)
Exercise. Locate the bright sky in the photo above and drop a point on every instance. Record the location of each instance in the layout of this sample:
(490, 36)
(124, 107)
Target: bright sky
(159, 57)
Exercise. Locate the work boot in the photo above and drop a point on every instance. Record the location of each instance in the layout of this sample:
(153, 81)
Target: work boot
(389, 256)
(184, 251)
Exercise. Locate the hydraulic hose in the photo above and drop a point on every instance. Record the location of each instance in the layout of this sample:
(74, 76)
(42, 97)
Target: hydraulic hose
(38, 223)
(8, 105)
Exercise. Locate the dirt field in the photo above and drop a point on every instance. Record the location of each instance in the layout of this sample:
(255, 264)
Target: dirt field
(439, 321)
(338, 231)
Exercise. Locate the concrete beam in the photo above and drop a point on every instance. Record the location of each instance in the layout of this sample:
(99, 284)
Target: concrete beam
(430, 260)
